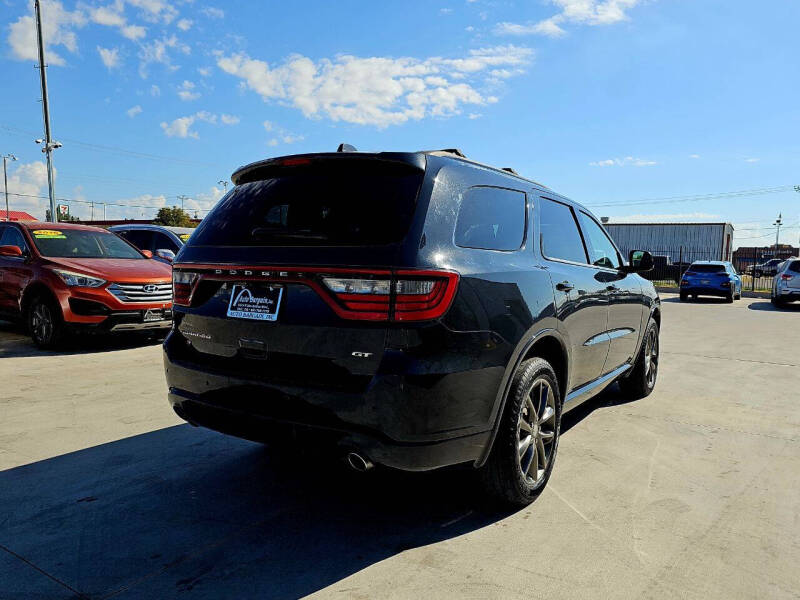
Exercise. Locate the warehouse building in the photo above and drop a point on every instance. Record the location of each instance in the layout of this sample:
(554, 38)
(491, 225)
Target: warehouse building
(680, 242)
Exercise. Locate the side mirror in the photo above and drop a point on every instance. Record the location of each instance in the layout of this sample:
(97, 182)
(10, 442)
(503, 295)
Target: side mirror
(166, 254)
(10, 251)
(639, 261)
(147, 253)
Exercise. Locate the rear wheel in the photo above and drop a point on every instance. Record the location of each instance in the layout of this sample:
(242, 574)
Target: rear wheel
(642, 378)
(777, 302)
(730, 297)
(684, 296)
(45, 323)
(524, 452)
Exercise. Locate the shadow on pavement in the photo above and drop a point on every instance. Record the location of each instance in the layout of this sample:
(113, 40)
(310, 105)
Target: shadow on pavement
(183, 509)
(768, 306)
(701, 300)
(15, 342)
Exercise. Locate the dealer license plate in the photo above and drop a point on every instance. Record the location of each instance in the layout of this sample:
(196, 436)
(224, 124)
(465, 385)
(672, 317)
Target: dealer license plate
(256, 303)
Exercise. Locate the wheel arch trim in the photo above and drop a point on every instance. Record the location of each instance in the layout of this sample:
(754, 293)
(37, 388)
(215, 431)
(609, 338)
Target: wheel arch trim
(520, 355)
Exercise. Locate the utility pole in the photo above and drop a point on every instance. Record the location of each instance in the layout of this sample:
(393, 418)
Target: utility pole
(182, 198)
(224, 184)
(778, 222)
(49, 144)
(7, 157)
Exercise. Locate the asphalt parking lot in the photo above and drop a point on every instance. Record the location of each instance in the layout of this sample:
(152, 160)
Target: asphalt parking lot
(693, 492)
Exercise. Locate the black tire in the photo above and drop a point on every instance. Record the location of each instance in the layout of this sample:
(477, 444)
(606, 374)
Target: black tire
(642, 378)
(730, 297)
(505, 476)
(684, 296)
(777, 302)
(45, 323)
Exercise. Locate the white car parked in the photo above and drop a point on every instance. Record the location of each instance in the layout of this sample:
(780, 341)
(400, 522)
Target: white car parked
(786, 284)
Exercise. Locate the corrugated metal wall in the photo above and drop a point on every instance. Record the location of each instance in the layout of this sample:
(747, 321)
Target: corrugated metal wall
(700, 241)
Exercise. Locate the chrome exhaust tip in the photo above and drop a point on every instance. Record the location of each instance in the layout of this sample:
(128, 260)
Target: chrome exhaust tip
(358, 463)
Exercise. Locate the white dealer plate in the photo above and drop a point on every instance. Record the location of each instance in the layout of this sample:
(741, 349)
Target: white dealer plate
(256, 303)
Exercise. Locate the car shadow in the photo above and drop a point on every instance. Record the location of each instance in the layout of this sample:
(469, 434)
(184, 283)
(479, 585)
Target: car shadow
(15, 342)
(611, 396)
(179, 509)
(769, 307)
(701, 300)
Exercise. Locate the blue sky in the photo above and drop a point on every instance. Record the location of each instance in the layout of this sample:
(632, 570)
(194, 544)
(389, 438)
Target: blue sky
(607, 101)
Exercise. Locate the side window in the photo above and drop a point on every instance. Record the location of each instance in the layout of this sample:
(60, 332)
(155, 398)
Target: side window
(164, 242)
(560, 236)
(491, 219)
(141, 238)
(602, 252)
(11, 236)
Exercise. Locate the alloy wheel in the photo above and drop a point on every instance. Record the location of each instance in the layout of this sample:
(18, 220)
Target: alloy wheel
(536, 431)
(651, 358)
(42, 322)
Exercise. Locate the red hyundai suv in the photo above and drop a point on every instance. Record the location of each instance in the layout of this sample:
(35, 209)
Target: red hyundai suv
(60, 277)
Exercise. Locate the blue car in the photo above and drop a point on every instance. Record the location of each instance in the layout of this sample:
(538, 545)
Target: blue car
(711, 278)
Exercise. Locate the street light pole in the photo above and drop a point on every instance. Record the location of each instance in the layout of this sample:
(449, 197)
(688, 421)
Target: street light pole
(7, 157)
(224, 185)
(182, 198)
(778, 222)
(49, 145)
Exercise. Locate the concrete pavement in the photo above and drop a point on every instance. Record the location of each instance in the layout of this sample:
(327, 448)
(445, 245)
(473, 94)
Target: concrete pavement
(693, 492)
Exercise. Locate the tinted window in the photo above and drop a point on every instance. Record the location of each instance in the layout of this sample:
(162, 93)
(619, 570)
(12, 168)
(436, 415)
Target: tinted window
(794, 266)
(164, 242)
(491, 219)
(141, 238)
(348, 203)
(560, 236)
(81, 243)
(707, 269)
(11, 236)
(602, 252)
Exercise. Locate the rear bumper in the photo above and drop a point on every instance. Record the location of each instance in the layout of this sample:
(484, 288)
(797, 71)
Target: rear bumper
(388, 422)
(705, 291)
(788, 294)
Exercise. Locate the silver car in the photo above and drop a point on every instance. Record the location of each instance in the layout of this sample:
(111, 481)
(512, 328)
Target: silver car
(163, 241)
(786, 284)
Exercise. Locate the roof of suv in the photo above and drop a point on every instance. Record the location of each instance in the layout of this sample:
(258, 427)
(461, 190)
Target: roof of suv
(49, 225)
(413, 158)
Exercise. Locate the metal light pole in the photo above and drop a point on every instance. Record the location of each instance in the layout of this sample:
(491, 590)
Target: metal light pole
(182, 198)
(6, 158)
(778, 222)
(49, 144)
(224, 185)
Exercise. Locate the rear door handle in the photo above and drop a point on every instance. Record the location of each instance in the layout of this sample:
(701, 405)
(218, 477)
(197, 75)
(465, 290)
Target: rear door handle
(565, 286)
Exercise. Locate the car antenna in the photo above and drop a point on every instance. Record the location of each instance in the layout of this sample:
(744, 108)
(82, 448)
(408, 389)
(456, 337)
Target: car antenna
(346, 148)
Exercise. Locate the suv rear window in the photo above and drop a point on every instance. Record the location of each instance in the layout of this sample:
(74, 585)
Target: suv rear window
(794, 266)
(339, 203)
(491, 218)
(707, 269)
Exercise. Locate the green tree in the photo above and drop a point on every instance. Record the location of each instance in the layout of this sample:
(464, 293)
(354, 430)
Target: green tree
(173, 216)
(61, 218)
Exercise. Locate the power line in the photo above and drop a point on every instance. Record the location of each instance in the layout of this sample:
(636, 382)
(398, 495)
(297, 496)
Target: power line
(122, 204)
(698, 197)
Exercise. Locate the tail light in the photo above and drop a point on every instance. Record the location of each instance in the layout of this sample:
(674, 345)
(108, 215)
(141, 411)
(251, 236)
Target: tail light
(785, 277)
(182, 287)
(684, 282)
(408, 296)
(726, 284)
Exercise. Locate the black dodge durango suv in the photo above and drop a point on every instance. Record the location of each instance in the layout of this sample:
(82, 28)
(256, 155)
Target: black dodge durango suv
(415, 310)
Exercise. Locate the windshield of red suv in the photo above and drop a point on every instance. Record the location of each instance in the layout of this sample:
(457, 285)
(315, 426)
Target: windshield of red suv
(80, 243)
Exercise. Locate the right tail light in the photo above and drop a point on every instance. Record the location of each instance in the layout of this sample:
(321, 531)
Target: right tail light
(182, 287)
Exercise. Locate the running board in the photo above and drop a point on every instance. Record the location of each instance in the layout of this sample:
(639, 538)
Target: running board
(588, 390)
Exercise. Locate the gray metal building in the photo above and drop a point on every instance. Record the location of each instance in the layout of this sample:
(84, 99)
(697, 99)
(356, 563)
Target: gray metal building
(678, 241)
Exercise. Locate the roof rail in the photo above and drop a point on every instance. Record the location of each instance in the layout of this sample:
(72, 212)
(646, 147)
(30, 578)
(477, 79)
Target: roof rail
(455, 151)
(510, 170)
(346, 148)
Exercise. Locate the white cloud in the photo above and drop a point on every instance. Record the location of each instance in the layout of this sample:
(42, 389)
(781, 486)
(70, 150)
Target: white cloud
(751, 160)
(107, 15)
(473, 116)
(155, 11)
(469, 28)
(204, 71)
(213, 13)
(58, 27)
(289, 138)
(158, 51)
(445, 11)
(268, 125)
(229, 119)
(273, 142)
(583, 12)
(694, 156)
(186, 91)
(155, 91)
(110, 57)
(181, 127)
(133, 111)
(623, 162)
(133, 32)
(29, 179)
(185, 24)
(377, 91)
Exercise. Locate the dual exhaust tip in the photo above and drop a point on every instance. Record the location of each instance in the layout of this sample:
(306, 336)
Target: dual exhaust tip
(358, 463)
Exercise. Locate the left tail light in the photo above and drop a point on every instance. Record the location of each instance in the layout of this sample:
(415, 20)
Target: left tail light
(786, 277)
(182, 287)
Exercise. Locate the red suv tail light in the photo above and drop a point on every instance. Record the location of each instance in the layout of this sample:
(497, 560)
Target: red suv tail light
(409, 296)
(182, 287)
